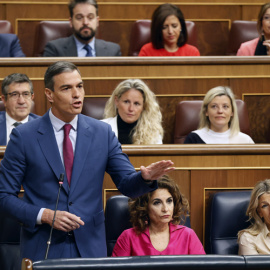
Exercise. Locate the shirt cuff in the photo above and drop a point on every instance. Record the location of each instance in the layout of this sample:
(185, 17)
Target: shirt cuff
(40, 213)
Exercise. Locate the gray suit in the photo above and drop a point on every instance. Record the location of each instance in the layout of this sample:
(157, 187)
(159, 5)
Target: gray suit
(67, 47)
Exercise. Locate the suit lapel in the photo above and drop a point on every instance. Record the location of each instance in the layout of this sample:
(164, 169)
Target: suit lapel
(3, 133)
(99, 48)
(81, 151)
(49, 147)
(70, 48)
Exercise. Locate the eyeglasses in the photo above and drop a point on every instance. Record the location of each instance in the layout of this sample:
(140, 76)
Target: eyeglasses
(16, 95)
(266, 18)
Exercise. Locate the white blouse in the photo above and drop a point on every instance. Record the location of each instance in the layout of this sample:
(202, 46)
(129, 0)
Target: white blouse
(211, 137)
(252, 245)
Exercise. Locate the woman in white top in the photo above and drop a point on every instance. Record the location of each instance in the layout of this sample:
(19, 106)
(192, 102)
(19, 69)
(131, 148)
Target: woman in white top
(134, 114)
(256, 238)
(219, 123)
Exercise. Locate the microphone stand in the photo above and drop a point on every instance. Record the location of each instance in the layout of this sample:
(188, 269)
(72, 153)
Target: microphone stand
(61, 180)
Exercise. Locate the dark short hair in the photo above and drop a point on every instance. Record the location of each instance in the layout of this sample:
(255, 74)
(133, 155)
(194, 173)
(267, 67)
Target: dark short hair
(158, 18)
(138, 207)
(73, 3)
(15, 78)
(55, 69)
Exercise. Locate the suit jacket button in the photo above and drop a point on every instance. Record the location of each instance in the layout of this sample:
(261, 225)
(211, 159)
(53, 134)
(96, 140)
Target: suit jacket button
(70, 203)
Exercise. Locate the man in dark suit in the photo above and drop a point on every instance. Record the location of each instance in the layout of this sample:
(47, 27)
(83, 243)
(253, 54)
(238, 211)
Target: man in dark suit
(84, 21)
(41, 150)
(17, 96)
(10, 46)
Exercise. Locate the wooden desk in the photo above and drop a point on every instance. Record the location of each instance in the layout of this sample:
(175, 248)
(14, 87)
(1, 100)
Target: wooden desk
(202, 170)
(172, 80)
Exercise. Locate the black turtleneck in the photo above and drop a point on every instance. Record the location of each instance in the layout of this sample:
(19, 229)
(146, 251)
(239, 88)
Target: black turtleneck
(125, 131)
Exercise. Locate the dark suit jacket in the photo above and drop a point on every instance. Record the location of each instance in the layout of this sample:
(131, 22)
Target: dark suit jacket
(3, 127)
(32, 159)
(10, 46)
(67, 47)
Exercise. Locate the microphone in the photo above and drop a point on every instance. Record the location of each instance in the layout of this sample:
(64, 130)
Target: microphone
(61, 180)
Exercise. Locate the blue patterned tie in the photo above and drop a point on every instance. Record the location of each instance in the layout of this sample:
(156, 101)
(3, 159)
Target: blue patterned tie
(88, 49)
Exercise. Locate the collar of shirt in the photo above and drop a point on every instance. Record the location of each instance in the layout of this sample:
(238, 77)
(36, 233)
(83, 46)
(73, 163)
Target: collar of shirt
(11, 121)
(172, 228)
(9, 124)
(58, 124)
(265, 231)
(81, 51)
(59, 132)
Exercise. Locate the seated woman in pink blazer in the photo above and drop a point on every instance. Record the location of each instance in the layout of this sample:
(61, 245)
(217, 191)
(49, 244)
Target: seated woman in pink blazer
(260, 45)
(156, 231)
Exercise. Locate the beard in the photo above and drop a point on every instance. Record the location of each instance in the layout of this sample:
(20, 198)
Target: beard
(84, 37)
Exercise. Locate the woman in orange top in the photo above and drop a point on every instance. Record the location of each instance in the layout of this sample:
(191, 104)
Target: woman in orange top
(168, 34)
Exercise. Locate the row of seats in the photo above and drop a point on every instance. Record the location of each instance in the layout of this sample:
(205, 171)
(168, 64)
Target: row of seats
(186, 115)
(46, 31)
(225, 217)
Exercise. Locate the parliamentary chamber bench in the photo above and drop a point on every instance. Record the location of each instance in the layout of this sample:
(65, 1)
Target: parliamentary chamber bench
(213, 20)
(172, 80)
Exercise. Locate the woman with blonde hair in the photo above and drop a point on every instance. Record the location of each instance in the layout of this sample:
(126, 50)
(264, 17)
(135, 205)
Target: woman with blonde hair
(134, 114)
(219, 123)
(255, 239)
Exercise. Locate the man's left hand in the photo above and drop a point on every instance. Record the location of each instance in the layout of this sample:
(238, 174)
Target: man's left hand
(156, 170)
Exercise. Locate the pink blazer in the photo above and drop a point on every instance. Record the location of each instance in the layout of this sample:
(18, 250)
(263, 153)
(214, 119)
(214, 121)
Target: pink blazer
(248, 48)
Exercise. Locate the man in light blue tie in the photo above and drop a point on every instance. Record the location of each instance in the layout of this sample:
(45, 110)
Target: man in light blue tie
(84, 21)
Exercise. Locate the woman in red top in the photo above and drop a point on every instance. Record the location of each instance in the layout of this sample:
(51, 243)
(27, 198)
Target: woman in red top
(168, 34)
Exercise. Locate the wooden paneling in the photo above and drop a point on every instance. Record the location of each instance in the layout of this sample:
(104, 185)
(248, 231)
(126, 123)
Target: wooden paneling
(172, 80)
(259, 114)
(213, 19)
(222, 179)
(201, 167)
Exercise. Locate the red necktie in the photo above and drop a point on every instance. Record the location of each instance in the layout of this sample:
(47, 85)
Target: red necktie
(68, 152)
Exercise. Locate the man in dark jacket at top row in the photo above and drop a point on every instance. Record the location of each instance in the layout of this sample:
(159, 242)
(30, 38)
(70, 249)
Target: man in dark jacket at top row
(84, 21)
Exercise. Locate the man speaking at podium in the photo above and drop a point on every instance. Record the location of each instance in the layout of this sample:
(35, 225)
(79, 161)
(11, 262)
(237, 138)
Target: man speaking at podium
(65, 141)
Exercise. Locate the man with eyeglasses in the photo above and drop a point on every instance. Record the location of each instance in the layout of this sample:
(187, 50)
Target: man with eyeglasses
(17, 96)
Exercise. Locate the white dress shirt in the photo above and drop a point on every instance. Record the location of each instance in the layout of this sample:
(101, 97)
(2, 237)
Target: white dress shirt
(81, 51)
(10, 124)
